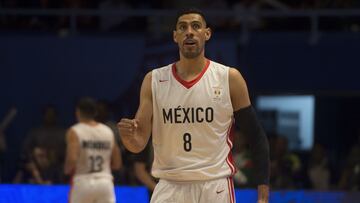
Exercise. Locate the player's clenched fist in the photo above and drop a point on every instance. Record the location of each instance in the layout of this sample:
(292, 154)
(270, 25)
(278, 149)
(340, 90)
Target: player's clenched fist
(131, 136)
(128, 127)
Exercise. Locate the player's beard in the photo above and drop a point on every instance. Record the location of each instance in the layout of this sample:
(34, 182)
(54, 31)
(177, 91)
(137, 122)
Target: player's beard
(191, 53)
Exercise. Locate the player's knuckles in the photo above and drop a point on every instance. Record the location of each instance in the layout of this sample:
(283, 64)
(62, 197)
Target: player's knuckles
(125, 120)
(124, 125)
(126, 129)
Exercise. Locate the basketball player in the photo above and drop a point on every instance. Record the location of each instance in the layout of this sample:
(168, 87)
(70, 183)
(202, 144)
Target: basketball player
(91, 155)
(190, 107)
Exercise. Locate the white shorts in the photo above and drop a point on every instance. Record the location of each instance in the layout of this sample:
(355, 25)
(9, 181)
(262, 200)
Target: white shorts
(92, 190)
(213, 191)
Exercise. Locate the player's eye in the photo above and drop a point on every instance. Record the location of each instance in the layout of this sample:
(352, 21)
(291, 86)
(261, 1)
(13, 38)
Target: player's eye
(196, 26)
(182, 27)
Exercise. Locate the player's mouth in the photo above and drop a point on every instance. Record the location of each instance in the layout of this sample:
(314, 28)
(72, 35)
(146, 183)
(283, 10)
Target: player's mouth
(189, 42)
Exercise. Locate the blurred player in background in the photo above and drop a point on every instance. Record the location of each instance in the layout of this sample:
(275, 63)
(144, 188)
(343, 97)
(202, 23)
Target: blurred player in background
(91, 155)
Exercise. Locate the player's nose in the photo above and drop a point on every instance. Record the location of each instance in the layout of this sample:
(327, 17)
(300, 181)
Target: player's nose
(189, 32)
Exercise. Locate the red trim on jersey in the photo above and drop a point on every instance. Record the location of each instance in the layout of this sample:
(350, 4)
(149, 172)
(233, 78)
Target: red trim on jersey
(231, 189)
(189, 84)
(230, 140)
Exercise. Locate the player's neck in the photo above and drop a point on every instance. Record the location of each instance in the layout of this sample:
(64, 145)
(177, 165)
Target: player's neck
(186, 68)
(90, 122)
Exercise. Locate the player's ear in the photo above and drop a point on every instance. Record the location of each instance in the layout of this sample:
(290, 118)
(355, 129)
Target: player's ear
(208, 33)
(174, 36)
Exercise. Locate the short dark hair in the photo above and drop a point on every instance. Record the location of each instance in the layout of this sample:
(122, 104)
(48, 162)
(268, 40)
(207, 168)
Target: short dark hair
(87, 107)
(189, 11)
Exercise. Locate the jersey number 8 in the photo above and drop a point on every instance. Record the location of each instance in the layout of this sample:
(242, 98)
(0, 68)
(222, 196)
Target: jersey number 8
(187, 142)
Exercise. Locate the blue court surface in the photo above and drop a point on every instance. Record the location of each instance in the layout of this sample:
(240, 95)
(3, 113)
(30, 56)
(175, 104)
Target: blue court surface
(124, 194)
(59, 194)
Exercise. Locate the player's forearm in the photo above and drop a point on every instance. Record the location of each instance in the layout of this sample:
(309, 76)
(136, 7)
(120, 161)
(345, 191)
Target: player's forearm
(147, 180)
(116, 160)
(144, 176)
(149, 183)
(263, 193)
(134, 144)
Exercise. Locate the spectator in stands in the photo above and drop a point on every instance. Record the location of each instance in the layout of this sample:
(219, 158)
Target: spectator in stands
(49, 137)
(318, 168)
(350, 177)
(285, 166)
(39, 169)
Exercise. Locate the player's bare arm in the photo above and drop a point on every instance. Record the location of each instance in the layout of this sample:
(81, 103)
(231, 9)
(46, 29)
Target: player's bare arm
(245, 119)
(135, 133)
(116, 161)
(72, 152)
(144, 176)
(238, 90)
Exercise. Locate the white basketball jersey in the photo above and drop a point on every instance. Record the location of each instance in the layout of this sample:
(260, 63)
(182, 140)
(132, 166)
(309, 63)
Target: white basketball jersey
(96, 144)
(192, 122)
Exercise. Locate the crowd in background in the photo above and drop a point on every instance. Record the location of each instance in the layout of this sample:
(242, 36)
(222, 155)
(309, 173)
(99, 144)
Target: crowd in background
(301, 170)
(121, 23)
(43, 151)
